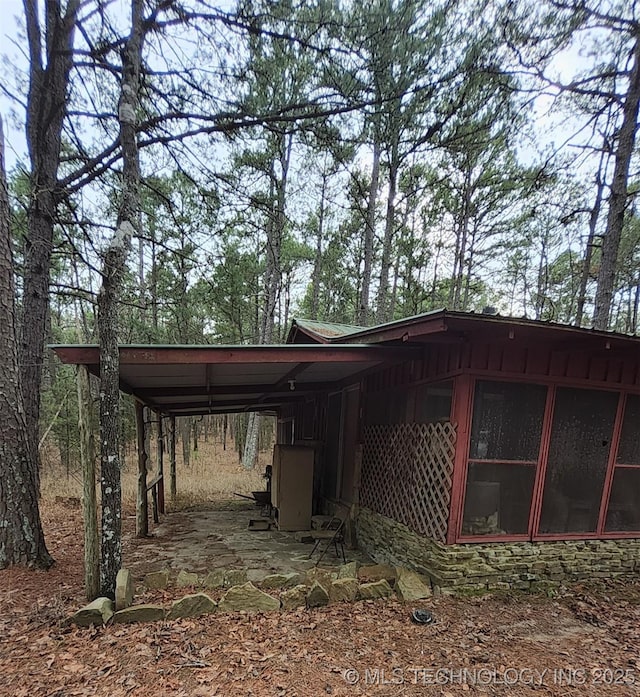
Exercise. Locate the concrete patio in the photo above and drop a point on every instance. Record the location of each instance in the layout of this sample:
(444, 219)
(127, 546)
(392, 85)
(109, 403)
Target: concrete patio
(201, 541)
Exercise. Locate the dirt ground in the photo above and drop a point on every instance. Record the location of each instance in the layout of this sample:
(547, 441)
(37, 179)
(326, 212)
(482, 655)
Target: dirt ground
(585, 641)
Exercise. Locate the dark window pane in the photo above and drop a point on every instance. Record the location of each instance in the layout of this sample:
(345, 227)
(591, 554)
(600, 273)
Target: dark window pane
(433, 402)
(375, 408)
(629, 449)
(397, 401)
(624, 503)
(498, 499)
(332, 449)
(577, 463)
(385, 407)
(507, 421)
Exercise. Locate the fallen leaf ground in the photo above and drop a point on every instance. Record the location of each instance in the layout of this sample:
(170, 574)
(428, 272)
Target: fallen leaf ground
(585, 641)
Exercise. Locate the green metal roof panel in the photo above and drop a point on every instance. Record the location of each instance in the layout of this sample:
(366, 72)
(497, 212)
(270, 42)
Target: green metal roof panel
(328, 330)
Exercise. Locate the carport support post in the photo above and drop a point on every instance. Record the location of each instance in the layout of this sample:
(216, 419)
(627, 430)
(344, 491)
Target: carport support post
(89, 502)
(160, 465)
(172, 457)
(142, 521)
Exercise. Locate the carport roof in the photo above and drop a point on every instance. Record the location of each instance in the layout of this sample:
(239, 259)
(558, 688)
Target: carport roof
(191, 380)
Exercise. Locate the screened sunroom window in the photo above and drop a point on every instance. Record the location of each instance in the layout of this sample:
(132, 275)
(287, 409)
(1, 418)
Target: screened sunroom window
(504, 447)
(623, 512)
(577, 463)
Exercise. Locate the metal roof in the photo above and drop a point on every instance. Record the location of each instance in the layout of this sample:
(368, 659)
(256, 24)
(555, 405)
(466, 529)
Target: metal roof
(189, 380)
(186, 380)
(320, 331)
(451, 323)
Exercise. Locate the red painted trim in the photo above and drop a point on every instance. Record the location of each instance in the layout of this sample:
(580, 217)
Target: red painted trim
(502, 462)
(462, 406)
(553, 380)
(289, 353)
(611, 462)
(622, 466)
(543, 455)
(571, 537)
(492, 538)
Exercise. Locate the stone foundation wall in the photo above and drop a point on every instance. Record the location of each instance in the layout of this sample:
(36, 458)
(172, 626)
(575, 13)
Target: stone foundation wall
(522, 565)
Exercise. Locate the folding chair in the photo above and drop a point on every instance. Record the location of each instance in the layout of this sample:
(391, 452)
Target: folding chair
(333, 534)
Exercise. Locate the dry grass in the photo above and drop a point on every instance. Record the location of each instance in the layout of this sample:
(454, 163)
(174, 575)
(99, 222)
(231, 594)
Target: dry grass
(213, 474)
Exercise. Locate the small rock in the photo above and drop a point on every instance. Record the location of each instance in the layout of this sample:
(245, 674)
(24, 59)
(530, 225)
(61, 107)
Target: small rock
(247, 597)
(235, 577)
(410, 586)
(294, 597)
(274, 581)
(322, 576)
(99, 612)
(214, 579)
(157, 580)
(317, 595)
(139, 613)
(344, 589)
(378, 572)
(377, 589)
(349, 570)
(192, 606)
(186, 578)
(124, 589)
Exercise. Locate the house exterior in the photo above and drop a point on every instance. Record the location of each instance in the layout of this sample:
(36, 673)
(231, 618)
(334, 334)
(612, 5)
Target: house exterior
(503, 453)
(483, 451)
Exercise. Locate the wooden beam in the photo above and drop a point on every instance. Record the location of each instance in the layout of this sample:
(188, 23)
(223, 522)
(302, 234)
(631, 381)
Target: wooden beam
(224, 355)
(160, 451)
(142, 521)
(172, 458)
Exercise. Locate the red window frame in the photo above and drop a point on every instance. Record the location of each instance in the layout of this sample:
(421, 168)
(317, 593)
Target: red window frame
(464, 396)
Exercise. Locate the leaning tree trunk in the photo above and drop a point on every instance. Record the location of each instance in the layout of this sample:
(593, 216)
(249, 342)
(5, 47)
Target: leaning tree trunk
(21, 536)
(618, 196)
(46, 111)
(112, 273)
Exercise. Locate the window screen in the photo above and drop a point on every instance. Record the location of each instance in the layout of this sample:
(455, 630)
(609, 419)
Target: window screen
(623, 513)
(507, 421)
(629, 448)
(498, 499)
(577, 462)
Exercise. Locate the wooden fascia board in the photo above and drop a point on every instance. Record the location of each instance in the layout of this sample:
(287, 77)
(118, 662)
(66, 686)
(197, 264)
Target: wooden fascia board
(221, 355)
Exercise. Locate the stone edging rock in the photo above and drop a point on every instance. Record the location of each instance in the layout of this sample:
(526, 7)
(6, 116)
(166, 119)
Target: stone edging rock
(317, 588)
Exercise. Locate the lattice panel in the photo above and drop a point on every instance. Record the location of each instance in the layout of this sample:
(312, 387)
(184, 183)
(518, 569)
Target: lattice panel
(406, 474)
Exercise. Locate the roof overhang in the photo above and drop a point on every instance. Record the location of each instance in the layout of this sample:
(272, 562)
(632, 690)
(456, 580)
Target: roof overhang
(191, 380)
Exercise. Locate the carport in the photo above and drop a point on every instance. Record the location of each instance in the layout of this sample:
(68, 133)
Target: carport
(187, 380)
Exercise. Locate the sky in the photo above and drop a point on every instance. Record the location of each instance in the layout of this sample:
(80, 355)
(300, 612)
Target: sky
(13, 57)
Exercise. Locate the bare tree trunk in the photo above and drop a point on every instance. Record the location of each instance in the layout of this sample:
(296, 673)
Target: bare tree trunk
(317, 260)
(618, 196)
(21, 536)
(185, 428)
(89, 502)
(382, 303)
(593, 222)
(369, 235)
(142, 508)
(273, 283)
(112, 273)
(462, 240)
(46, 111)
